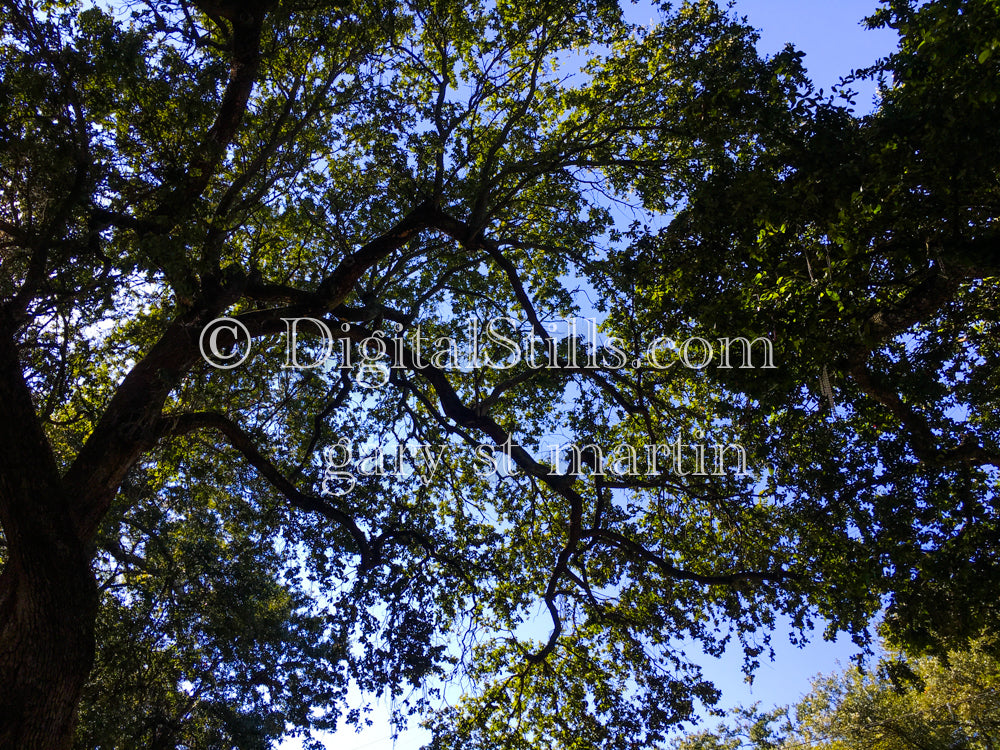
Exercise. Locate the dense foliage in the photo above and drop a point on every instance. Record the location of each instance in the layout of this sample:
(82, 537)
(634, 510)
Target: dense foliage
(427, 169)
(867, 248)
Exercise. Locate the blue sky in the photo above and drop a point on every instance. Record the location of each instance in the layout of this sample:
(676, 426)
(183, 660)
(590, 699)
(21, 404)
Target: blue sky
(835, 42)
(830, 33)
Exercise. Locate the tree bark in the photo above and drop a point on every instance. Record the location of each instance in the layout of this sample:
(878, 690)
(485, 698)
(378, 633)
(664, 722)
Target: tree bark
(48, 594)
(47, 617)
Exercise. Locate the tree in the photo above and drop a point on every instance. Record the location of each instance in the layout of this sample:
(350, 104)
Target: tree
(932, 703)
(413, 172)
(866, 247)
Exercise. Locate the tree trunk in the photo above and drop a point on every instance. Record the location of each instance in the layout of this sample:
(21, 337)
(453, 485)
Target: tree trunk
(47, 617)
(48, 595)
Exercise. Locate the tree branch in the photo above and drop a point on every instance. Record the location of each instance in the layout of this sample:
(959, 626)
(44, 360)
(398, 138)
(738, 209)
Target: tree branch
(181, 424)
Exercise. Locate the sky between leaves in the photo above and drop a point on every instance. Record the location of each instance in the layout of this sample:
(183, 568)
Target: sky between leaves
(835, 42)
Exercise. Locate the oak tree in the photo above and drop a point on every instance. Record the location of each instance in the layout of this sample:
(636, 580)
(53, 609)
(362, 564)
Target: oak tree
(394, 173)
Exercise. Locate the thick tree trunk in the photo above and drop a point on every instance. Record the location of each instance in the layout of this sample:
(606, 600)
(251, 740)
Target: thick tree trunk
(48, 596)
(46, 648)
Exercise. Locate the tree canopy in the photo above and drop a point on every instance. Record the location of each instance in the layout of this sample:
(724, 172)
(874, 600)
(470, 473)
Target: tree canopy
(942, 702)
(395, 466)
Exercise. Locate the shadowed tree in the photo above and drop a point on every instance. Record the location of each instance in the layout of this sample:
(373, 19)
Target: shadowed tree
(244, 543)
